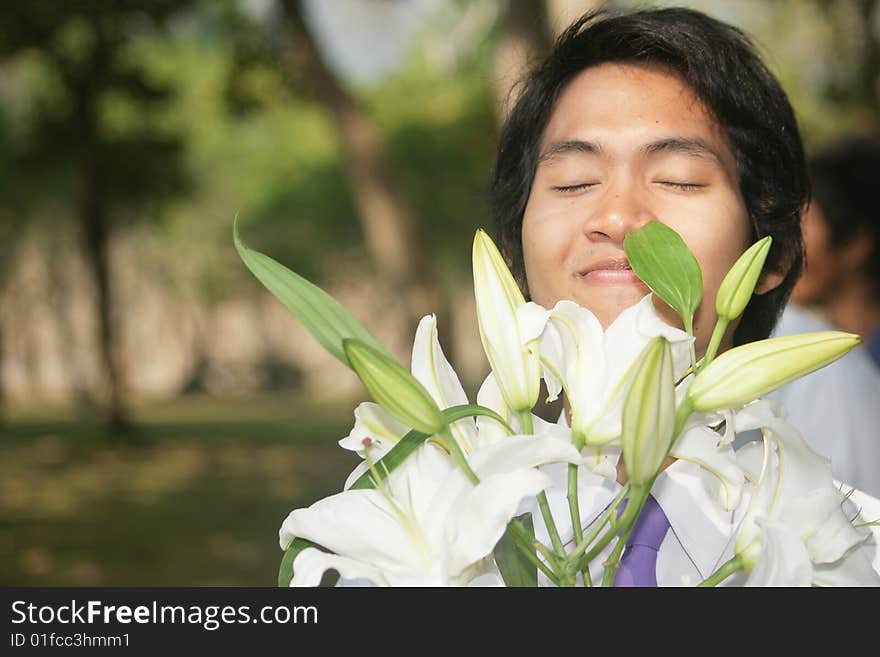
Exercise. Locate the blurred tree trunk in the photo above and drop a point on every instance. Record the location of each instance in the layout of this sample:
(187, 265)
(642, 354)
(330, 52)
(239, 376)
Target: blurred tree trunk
(859, 92)
(95, 223)
(870, 69)
(62, 290)
(525, 37)
(387, 221)
(93, 214)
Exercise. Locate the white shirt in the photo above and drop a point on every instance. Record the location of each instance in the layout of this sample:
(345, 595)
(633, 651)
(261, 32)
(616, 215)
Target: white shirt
(836, 408)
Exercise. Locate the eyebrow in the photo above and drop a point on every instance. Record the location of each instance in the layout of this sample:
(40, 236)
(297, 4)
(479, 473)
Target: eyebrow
(692, 146)
(568, 146)
(686, 145)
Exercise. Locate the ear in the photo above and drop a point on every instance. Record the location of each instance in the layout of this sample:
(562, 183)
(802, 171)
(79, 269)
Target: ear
(856, 253)
(769, 280)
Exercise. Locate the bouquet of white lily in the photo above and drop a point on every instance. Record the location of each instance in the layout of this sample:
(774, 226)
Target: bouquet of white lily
(454, 493)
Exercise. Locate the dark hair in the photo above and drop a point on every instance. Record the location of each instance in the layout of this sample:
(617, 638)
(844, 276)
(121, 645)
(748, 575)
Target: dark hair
(720, 65)
(844, 176)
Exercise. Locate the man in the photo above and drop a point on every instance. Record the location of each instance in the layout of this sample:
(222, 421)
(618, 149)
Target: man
(662, 115)
(836, 408)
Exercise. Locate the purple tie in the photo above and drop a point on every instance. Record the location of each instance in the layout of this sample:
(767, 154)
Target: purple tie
(638, 566)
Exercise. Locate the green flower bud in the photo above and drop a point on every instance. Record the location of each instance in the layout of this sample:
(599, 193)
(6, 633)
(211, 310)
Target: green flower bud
(739, 283)
(516, 367)
(649, 413)
(752, 370)
(394, 388)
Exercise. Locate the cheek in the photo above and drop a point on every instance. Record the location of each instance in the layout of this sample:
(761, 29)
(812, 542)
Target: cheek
(716, 244)
(544, 247)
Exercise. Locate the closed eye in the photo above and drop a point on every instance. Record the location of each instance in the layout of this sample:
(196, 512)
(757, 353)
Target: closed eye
(574, 188)
(683, 186)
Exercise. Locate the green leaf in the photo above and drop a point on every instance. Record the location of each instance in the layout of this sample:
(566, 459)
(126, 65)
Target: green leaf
(516, 569)
(285, 572)
(455, 413)
(664, 262)
(323, 316)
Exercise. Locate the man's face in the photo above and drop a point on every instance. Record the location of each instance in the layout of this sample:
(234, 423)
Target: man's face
(625, 145)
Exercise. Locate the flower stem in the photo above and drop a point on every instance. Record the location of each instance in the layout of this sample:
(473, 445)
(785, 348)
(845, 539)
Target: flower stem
(689, 328)
(632, 511)
(728, 568)
(525, 418)
(458, 455)
(682, 413)
(715, 341)
(600, 522)
(574, 510)
(527, 546)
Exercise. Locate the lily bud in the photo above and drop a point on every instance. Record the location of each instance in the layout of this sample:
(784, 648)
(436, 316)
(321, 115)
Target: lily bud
(739, 283)
(516, 367)
(649, 413)
(752, 370)
(394, 388)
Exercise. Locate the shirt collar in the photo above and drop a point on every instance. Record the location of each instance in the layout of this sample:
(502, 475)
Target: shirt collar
(697, 518)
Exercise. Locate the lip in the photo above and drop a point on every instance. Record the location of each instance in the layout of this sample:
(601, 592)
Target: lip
(610, 271)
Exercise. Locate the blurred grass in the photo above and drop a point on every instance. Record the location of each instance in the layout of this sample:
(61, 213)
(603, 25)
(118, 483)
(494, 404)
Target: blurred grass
(194, 497)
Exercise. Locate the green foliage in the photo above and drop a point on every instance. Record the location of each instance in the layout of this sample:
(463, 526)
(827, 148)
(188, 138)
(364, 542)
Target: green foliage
(324, 317)
(659, 256)
(515, 568)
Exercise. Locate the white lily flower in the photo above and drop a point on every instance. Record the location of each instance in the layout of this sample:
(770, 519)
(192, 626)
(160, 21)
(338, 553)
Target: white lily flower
(795, 497)
(593, 366)
(427, 525)
(514, 361)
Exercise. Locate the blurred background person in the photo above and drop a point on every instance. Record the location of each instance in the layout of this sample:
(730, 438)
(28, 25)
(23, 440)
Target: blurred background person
(836, 408)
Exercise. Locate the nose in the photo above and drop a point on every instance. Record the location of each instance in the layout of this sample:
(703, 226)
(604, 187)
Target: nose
(620, 208)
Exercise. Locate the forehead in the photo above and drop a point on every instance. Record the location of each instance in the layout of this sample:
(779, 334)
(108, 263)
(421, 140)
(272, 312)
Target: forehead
(624, 106)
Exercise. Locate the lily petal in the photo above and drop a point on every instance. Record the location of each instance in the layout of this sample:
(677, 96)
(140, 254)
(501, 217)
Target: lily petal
(481, 514)
(700, 445)
(311, 564)
(784, 560)
(358, 524)
(821, 521)
(371, 421)
(489, 395)
(854, 569)
(432, 370)
(518, 452)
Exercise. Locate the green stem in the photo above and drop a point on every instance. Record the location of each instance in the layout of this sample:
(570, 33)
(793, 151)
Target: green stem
(527, 546)
(601, 521)
(714, 341)
(724, 571)
(689, 329)
(632, 511)
(682, 413)
(525, 418)
(574, 510)
(458, 455)
(558, 548)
